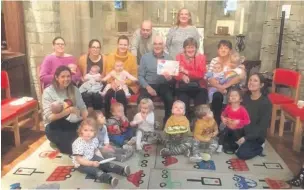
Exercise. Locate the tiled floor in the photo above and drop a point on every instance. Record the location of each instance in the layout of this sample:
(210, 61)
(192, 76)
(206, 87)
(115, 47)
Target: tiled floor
(31, 139)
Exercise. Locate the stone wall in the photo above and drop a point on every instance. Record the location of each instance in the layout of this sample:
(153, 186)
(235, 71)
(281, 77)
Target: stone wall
(41, 26)
(132, 13)
(292, 55)
(253, 25)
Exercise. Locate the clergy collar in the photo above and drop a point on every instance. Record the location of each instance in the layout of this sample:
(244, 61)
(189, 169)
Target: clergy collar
(161, 56)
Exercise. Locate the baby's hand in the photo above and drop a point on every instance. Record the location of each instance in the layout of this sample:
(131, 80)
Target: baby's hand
(116, 130)
(95, 164)
(133, 123)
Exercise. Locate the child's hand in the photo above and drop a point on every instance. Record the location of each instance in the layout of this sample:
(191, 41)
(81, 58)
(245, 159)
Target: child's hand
(224, 120)
(233, 123)
(95, 163)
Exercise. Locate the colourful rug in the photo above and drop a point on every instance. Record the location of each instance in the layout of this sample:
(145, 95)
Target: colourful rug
(151, 171)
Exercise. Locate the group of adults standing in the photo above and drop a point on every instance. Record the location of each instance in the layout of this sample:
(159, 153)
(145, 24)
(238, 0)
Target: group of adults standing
(146, 48)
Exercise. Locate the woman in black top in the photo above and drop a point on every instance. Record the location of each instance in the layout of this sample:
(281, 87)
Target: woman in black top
(93, 101)
(259, 109)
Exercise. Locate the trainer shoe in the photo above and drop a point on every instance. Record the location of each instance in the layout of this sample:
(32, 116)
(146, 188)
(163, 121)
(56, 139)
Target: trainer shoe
(127, 147)
(196, 158)
(165, 152)
(219, 149)
(127, 171)
(114, 182)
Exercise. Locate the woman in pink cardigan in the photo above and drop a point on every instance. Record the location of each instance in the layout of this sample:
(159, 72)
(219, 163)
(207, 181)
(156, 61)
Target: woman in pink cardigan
(53, 61)
(190, 81)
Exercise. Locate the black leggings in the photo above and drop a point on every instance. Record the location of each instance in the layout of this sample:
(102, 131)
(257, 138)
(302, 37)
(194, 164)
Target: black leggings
(62, 133)
(217, 106)
(93, 100)
(119, 96)
(199, 95)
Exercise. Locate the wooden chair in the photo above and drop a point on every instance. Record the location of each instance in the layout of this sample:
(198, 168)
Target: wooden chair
(289, 78)
(15, 116)
(292, 112)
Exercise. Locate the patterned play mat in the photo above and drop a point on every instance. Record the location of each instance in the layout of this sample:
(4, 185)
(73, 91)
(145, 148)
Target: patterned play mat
(151, 171)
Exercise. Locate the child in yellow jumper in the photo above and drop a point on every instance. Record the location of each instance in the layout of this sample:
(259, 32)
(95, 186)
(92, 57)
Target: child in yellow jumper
(204, 136)
(176, 130)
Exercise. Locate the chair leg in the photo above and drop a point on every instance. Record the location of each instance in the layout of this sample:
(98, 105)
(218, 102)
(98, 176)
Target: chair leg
(36, 119)
(273, 120)
(297, 137)
(16, 132)
(282, 124)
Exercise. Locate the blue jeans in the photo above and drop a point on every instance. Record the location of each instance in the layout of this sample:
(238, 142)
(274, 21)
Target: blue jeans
(119, 140)
(250, 149)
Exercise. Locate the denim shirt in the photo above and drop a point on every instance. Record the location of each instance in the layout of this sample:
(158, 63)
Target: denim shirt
(102, 136)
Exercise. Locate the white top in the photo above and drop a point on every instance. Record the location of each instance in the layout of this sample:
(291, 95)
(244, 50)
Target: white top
(148, 124)
(89, 76)
(83, 148)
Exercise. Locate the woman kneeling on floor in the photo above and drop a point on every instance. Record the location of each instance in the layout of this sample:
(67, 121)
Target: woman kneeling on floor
(258, 107)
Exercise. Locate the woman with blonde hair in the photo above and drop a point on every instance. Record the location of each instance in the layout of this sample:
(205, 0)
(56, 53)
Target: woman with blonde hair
(58, 130)
(179, 33)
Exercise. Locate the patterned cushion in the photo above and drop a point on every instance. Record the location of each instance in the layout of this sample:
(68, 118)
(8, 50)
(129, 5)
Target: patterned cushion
(276, 98)
(293, 110)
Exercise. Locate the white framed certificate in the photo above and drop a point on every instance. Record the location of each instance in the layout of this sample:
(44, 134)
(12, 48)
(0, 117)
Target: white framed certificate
(170, 67)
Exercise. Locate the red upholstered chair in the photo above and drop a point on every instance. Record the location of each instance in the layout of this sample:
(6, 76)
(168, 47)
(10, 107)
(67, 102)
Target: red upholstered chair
(291, 111)
(289, 78)
(15, 116)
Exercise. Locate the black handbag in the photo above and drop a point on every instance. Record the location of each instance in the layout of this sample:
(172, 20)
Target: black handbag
(192, 85)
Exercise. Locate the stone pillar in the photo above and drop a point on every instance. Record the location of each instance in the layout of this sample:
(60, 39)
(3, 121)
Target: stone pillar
(41, 26)
(85, 25)
(70, 26)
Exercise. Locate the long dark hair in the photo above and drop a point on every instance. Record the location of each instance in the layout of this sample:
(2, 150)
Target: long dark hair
(70, 89)
(92, 41)
(264, 89)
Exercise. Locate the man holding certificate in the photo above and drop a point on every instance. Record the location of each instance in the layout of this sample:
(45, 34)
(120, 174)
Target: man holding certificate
(155, 79)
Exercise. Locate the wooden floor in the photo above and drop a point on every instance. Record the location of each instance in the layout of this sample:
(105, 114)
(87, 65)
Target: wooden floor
(31, 140)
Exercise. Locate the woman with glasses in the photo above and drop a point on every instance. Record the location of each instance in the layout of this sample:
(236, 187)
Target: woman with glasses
(93, 101)
(53, 61)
